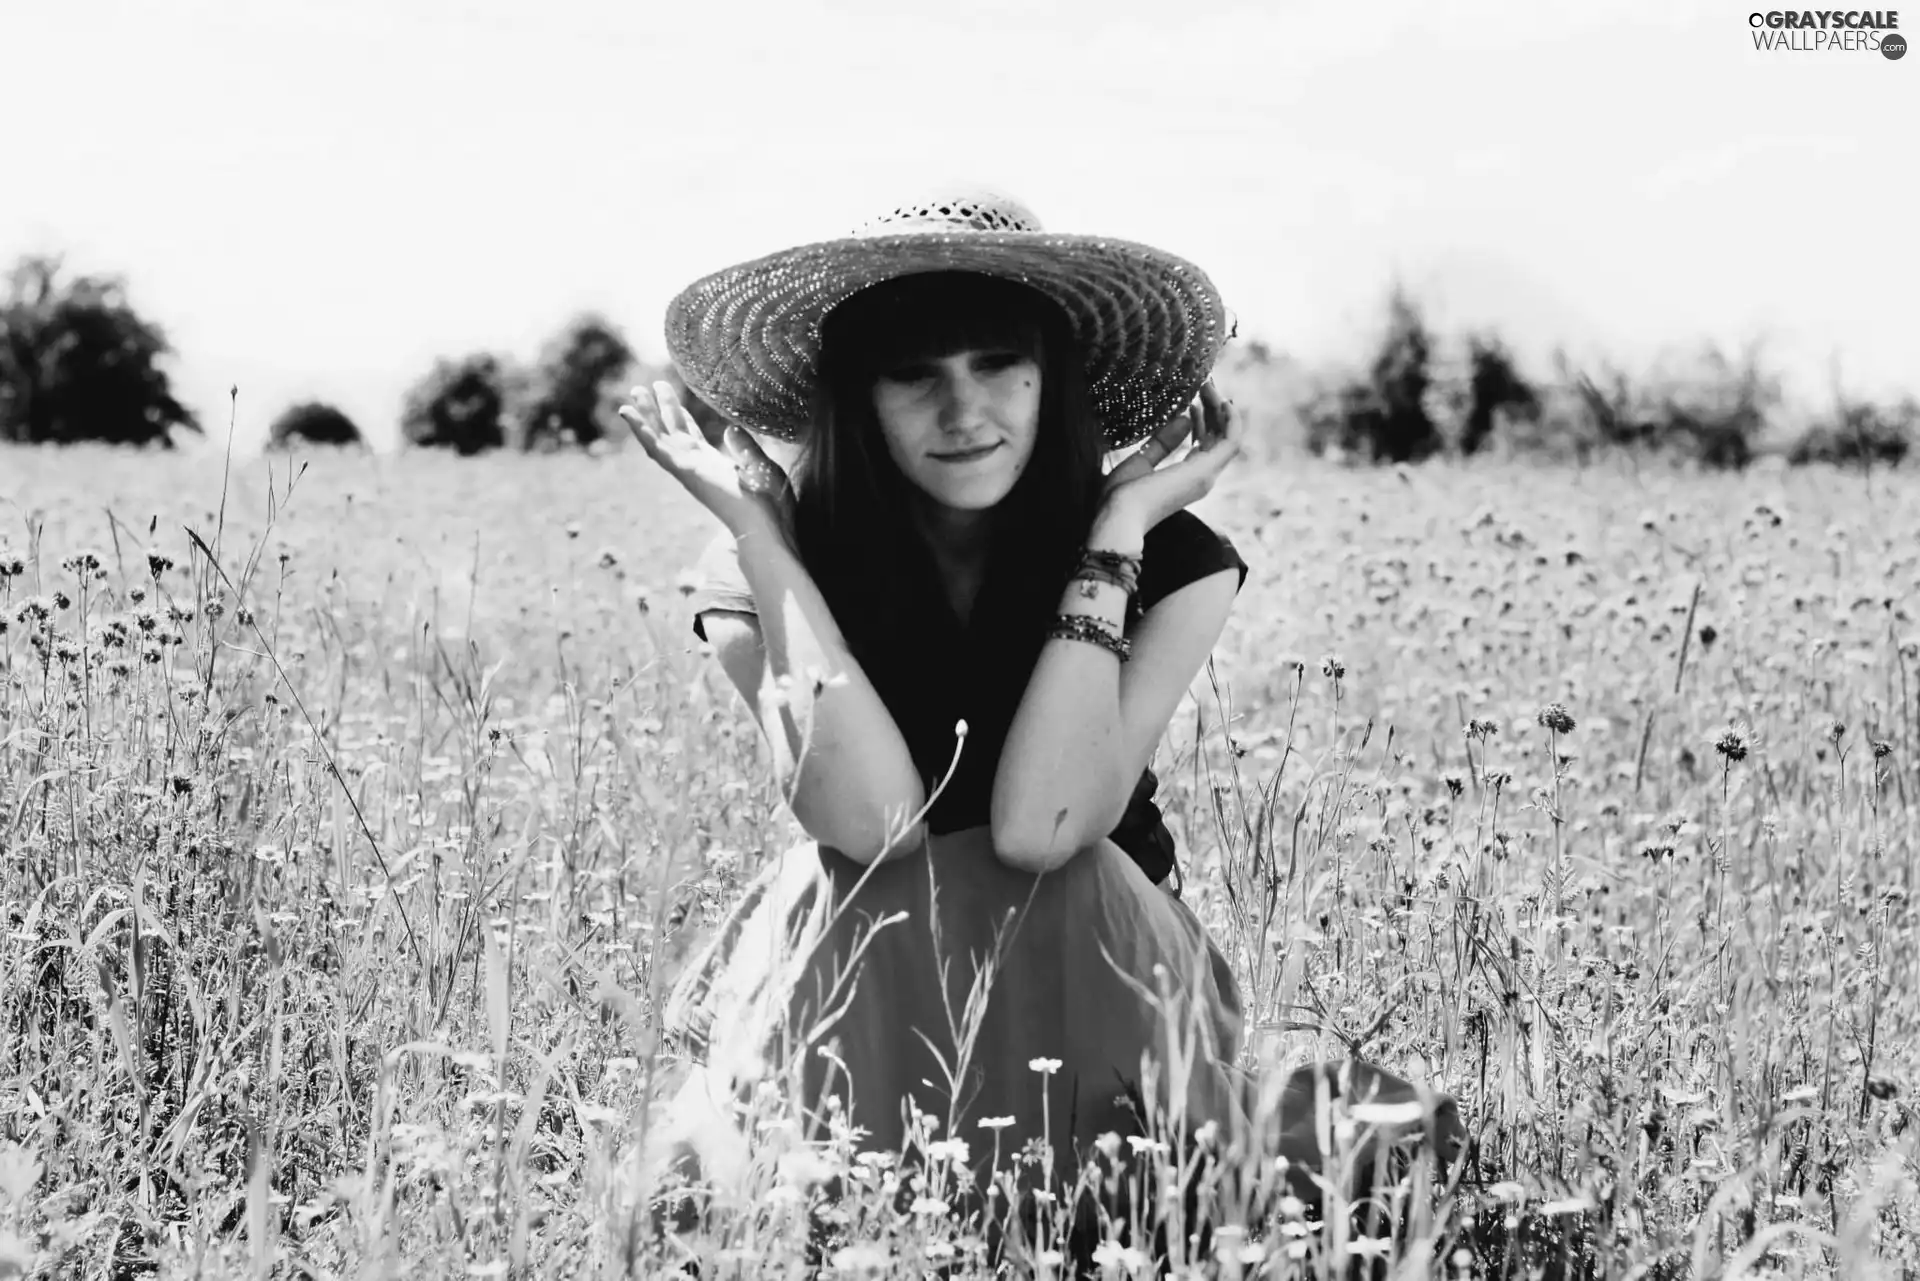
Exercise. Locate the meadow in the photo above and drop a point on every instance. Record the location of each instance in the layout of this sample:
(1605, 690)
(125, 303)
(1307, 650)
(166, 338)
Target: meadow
(355, 812)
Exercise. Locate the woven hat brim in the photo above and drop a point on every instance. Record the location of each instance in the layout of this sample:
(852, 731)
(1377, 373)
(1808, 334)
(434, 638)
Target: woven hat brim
(1151, 324)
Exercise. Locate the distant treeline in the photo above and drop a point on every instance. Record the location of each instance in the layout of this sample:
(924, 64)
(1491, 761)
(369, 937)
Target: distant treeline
(78, 363)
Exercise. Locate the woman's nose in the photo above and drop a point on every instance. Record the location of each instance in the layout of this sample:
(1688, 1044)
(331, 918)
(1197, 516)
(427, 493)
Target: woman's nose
(964, 402)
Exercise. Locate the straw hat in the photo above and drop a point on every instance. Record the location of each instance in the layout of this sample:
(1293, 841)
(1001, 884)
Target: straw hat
(747, 339)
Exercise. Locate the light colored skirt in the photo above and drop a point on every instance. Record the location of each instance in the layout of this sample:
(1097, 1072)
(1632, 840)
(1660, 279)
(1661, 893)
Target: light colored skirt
(1058, 1006)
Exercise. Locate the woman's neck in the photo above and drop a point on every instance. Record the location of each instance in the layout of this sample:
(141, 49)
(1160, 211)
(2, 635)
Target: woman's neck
(960, 540)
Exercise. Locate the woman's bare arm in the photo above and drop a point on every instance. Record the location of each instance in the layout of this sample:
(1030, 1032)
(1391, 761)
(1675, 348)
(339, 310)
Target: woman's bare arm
(838, 754)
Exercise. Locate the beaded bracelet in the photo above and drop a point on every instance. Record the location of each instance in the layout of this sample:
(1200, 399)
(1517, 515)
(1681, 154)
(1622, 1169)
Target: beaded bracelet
(1119, 563)
(1090, 577)
(1085, 627)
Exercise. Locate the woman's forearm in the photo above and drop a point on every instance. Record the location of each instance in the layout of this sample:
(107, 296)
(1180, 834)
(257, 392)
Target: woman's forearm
(1062, 779)
(838, 754)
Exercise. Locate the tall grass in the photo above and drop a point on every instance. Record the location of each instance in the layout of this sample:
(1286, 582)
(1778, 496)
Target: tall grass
(354, 822)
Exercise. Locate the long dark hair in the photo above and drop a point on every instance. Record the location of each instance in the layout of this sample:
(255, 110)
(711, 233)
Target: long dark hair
(853, 524)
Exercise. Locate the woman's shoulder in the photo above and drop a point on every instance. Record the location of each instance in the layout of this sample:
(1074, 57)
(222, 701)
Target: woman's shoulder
(1183, 549)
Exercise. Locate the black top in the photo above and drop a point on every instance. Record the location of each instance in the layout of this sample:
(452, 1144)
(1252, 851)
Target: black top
(958, 673)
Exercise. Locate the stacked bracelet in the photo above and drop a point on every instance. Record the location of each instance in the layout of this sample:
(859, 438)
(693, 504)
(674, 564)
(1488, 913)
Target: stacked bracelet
(1085, 627)
(1114, 567)
(1118, 568)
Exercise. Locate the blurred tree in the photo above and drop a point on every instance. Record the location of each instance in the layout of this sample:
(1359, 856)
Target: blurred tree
(77, 363)
(1384, 415)
(574, 388)
(1862, 433)
(1493, 385)
(312, 422)
(460, 405)
(1403, 431)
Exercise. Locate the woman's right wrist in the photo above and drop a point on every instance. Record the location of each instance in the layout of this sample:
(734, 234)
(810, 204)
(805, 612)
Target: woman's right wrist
(759, 530)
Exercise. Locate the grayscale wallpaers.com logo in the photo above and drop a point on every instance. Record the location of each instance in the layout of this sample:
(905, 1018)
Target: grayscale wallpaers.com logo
(1824, 30)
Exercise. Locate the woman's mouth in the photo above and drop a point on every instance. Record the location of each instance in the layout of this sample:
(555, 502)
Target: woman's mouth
(968, 455)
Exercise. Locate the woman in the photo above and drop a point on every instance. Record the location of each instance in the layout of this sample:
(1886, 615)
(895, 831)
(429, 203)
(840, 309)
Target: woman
(962, 641)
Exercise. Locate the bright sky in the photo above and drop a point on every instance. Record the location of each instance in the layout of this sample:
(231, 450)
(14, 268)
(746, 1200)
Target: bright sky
(318, 199)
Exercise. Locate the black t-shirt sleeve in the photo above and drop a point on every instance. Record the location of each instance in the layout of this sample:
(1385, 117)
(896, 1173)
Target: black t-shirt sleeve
(1179, 550)
(718, 582)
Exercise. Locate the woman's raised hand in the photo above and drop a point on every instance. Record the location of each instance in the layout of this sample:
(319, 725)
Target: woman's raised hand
(737, 482)
(1152, 492)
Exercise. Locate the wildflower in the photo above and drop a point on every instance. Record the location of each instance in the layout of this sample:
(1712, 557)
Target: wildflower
(34, 609)
(66, 651)
(995, 1122)
(1482, 730)
(1045, 1067)
(158, 564)
(954, 1150)
(245, 616)
(81, 563)
(1455, 787)
(1332, 665)
(929, 1205)
(1499, 778)
(1882, 749)
(120, 668)
(1733, 744)
(11, 565)
(182, 785)
(1109, 1144)
(608, 558)
(1554, 717)
(1882, 1087)
(1111, 1254)
(1836, 732)
(868, 1257)
(1656, 852)
(179, 613)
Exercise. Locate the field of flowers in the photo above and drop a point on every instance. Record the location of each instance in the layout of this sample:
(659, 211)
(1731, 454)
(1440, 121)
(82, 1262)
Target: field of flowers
(353, 818)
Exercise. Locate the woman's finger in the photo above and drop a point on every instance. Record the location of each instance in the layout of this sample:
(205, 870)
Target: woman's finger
(671, 411)
(643, 430)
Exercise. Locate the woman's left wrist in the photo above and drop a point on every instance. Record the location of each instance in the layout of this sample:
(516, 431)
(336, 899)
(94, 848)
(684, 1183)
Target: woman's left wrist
(1117, 528)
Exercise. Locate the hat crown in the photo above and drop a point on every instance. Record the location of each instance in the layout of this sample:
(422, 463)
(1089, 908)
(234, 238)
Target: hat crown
(953, 209)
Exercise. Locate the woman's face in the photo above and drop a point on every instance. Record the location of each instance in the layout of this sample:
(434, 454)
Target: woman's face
(961, 427)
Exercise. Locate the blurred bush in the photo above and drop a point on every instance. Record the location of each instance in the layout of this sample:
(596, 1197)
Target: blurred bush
(312, 422)
(460, 405)
(78, 363)
(575, 387)
(1862, 434)
(1383, 416)
(1422, 395)
(1495, 391)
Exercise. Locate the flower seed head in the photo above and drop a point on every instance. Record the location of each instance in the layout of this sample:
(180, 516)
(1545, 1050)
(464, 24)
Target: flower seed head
(1733, 745)
(1555, 717)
